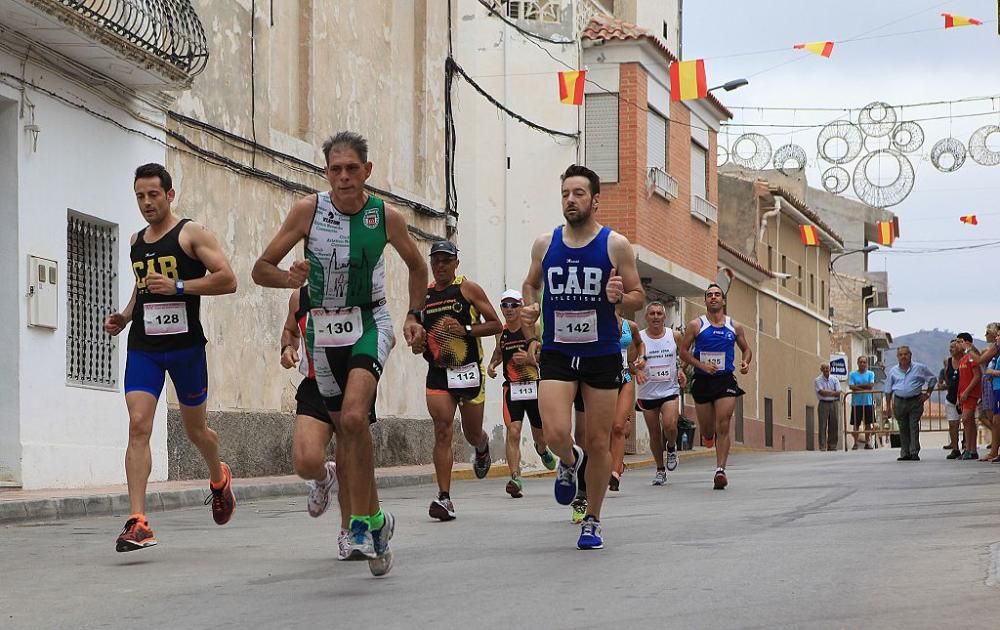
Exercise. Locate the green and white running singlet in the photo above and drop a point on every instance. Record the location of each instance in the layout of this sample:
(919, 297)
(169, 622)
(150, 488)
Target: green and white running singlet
(349, 324)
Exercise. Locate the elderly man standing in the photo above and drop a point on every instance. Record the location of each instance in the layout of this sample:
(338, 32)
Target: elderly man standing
(828, 393)
(908, 385)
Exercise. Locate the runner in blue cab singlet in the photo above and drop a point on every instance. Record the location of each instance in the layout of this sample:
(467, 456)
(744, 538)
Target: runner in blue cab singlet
(709, 344)
(582, 270)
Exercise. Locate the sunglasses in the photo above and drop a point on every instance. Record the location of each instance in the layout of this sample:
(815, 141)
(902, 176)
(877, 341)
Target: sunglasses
(509, 304)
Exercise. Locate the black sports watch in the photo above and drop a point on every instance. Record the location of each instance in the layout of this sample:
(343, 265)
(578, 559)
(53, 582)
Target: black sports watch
(417, 314)
(179, 286)
(468, 329)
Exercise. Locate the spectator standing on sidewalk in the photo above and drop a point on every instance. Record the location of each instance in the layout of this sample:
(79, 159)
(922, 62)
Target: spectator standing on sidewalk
(908, 385)
(828, 393)
(862, 382)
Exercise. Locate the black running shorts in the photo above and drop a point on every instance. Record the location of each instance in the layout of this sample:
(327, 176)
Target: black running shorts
(309, 402)
(708, 388)
(601, 372)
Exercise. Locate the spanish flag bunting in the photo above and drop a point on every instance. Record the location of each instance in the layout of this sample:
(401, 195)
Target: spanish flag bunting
(823, 49)
(953, 21)
(886, 233)
(571, 87)
(970, 219)
(687, 80)
(809, 235)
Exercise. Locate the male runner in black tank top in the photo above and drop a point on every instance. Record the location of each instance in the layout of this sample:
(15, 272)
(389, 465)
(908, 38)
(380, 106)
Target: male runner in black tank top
(170, 259)
(516, 349)
(452, 318)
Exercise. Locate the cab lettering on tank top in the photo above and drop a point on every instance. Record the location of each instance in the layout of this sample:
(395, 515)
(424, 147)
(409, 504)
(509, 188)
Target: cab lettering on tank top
(574, 280)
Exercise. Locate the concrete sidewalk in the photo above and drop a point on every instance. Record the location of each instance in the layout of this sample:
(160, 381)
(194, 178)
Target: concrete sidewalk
(18, 506)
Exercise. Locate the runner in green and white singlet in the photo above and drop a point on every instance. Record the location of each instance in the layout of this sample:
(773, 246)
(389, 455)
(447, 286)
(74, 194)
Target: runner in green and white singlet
(348, 331)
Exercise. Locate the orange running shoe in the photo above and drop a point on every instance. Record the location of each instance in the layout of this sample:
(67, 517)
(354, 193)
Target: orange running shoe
(709, 442)
(222, 499)
(135, 535)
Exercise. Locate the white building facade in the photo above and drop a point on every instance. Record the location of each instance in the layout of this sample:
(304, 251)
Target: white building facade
(80, 108)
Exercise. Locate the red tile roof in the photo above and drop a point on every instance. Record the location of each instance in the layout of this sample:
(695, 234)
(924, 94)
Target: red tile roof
(805, 210)
(753, 262)
(608, 28)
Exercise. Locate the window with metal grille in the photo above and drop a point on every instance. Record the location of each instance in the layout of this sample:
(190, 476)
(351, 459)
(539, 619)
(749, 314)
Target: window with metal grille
(601, 135)
(91, 295)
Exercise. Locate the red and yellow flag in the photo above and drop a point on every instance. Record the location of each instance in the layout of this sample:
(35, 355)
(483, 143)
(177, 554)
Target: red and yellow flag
(687, 80)
(809, 235)
(571, 87)
(886, 232)
(823, 49)
(952, 21)
(970, 219)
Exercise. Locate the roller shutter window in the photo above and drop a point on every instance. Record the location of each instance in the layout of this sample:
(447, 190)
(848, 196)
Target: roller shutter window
(601, 129)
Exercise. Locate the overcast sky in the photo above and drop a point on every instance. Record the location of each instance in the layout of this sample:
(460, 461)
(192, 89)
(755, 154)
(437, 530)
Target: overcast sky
(949, 290)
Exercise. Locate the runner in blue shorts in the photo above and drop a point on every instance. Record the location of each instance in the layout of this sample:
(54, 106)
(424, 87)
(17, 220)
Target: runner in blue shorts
(175, 261)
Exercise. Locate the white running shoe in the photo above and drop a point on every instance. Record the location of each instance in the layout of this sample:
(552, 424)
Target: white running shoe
(320, 493)
(672, 460)
(382, 562)
(660, 478)
(343, 544)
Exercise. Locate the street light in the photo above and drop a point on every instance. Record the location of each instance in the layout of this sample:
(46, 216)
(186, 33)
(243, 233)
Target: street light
(893, 309)
(729, 86)
(864, 250)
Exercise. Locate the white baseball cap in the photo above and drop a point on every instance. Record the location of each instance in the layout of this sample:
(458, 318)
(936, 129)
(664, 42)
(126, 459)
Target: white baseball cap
(512, 294)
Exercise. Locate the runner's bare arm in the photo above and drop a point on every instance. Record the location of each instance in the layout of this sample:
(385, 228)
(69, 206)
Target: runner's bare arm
(985, 356)
(221, 279)
(623, 260)
(684, 348)
(290, 334)
(266, 272)
(400, 239)
(532, 284)
(495, 360)
(681, 376)
(491, 322)
(746, 352)
(115, 323)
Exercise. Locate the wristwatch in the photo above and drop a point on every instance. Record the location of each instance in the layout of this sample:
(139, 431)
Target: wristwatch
(179, 285)
(417, 314)
(468, 329)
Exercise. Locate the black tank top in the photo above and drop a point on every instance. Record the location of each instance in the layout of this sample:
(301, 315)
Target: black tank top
(510, 343)
(445, 349)
(164, 314)
(951, 379)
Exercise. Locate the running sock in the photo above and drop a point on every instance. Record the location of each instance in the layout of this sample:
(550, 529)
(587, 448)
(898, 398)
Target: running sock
(377, 520)
(361, 518)
(443, 495)
(658, 469)
(218, 486)
(671, 449)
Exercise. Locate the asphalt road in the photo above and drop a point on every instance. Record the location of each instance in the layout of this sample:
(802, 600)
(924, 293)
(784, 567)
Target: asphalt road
(825, 540)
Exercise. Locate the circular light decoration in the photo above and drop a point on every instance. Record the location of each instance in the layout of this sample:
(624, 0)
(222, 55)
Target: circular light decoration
(907, 137)
(722, 156)
(948, 146)
(883, 195)
(836, 180)
(979, 151)
(877, 119)
(761, 155)
(839, 142)
(790, 153)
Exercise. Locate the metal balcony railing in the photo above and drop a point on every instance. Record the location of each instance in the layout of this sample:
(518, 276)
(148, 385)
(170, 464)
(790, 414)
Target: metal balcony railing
(663, 183)
(704, 209)
(168, 29)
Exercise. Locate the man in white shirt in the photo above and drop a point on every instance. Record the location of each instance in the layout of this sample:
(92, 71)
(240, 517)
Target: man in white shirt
(828, 393)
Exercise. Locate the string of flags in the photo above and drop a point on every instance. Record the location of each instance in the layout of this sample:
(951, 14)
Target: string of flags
(688, 78)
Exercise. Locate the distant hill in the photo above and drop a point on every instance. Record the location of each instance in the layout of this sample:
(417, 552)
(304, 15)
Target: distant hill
(929, 347)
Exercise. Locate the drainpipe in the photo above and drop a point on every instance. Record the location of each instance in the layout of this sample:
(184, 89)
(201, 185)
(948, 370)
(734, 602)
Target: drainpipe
(767, 215)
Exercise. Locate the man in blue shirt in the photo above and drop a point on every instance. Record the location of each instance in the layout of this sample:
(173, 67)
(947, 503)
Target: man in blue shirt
(862, 382)
(908, 385)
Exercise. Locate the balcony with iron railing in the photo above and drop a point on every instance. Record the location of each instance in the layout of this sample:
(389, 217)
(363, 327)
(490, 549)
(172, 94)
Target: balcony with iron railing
(704, 209)
(139, 43)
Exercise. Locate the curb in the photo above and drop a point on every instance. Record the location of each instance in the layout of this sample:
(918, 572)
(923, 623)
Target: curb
(116, 504)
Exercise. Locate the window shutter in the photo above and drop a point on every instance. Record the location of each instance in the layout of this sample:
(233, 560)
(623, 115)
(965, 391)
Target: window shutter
(699, 171)
(656, 141)
(601, 128)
